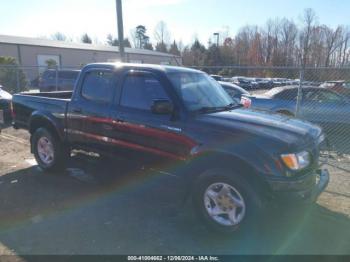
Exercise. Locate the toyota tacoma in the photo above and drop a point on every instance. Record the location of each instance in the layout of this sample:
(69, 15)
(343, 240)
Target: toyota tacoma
(234, 160)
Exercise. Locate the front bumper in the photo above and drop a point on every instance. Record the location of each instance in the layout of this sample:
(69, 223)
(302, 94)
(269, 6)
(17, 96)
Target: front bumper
(306, 188)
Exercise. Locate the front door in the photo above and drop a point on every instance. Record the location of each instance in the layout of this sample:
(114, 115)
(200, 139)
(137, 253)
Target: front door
(138, 129)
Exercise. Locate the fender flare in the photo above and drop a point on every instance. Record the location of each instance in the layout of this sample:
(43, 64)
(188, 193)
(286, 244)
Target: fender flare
(47, 120)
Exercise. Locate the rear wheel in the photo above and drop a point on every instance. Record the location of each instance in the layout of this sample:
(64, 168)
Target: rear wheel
(50, 154)
(224, 200)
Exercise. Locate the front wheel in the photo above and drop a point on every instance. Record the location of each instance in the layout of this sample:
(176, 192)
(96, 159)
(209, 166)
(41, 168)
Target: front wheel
(50, 154)
(225, 201)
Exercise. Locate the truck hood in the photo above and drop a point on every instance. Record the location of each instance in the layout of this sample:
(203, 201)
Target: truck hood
(271, 125)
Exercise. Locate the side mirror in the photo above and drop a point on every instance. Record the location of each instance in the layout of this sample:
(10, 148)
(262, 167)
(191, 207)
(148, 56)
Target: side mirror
(162, 107)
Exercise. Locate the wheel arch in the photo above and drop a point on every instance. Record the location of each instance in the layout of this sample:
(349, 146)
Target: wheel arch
(223, 160)
(43, 121)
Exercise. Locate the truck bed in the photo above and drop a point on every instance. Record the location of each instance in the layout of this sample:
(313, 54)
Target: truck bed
(50, 104)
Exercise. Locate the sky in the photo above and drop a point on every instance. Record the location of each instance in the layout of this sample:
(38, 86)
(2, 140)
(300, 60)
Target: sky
(185, 19)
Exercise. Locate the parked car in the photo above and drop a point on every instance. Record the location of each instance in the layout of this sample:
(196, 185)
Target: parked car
(230, 160)
(226, 79)
(321, 106)
(217, 77)
(60, 80)
(291, 82)
(245, 82)
(5, 107)
(254, 84)
(340, 87)
(236, 93)
(278, 82)
(264, 83)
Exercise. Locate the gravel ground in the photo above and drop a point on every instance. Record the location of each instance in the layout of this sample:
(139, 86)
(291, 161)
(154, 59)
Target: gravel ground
(91, 210)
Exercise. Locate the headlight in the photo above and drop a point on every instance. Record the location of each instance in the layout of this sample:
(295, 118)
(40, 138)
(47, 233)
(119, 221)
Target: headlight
(297, 161)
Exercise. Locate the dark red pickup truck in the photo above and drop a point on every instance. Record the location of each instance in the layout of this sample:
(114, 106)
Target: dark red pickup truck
(235, 160)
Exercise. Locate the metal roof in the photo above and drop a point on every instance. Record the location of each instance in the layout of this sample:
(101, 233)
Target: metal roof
(20, 40)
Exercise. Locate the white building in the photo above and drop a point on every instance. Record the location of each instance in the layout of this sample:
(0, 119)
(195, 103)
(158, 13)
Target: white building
(32, 54)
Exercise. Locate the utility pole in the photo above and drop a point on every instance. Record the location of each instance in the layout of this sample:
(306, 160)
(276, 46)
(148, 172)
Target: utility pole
(300, 92)
(217, 39)
(217, 48)
(120, 29)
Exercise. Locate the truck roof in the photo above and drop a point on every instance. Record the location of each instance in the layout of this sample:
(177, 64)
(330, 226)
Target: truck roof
(163, 68)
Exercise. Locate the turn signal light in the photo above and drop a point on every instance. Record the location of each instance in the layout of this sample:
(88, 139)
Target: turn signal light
(246, 102)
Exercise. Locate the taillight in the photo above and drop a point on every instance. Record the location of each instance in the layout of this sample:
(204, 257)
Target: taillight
(246, 102)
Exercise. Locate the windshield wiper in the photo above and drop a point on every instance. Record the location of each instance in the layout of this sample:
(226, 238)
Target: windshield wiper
(210, 109)
(232, 106)
(207, 109)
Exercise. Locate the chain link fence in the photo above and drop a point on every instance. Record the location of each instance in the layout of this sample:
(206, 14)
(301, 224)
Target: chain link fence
(15, 79)
(318, 95)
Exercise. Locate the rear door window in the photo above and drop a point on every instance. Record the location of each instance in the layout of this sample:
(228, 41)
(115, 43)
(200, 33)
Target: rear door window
(98, 86)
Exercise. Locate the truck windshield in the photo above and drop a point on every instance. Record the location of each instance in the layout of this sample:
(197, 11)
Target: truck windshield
(200, 92)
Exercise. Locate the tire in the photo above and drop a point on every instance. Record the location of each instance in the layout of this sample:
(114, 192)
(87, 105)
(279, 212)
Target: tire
(57, 154)
(250, 209)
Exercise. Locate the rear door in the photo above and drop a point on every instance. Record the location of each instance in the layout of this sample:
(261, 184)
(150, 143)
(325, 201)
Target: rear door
(137, 128)
(89, 111)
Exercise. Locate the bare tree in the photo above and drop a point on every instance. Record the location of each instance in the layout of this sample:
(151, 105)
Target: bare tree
(317, 47)
(268, 46)
(309, 21)
(161, 33)
(281, 42)
(288, 33)
(344, 52)
(332, 40)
